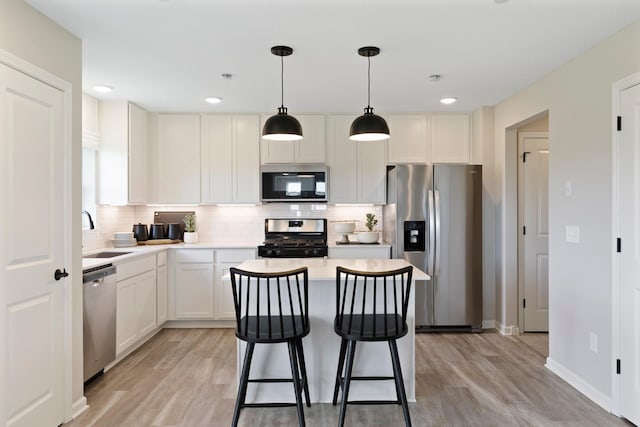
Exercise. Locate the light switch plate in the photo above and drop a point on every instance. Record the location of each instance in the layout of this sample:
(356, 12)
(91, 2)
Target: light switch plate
(572, 233)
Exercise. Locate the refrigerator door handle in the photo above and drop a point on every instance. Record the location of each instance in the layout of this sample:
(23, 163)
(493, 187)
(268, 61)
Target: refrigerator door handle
(432, 235)
(436, 199)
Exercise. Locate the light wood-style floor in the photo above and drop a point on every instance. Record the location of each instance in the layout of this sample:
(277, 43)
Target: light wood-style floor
(186, 377)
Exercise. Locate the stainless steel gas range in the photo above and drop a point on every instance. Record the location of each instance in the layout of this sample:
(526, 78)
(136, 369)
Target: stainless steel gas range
(294, 238)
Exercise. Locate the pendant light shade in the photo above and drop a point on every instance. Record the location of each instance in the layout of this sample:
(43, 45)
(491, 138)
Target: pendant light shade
(282, 126)
(369, 126)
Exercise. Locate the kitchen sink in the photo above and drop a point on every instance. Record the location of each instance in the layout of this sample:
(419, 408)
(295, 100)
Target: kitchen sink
(105, 254)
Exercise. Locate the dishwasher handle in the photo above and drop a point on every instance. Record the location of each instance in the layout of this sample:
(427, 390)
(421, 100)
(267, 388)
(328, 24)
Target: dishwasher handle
(98, 274)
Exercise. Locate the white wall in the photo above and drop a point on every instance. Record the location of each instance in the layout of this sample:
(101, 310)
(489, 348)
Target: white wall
(578, 97)
(31, 36)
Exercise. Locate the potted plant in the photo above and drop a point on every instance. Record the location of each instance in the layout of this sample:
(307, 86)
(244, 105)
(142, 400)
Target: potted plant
(190, 234)
(372, 235)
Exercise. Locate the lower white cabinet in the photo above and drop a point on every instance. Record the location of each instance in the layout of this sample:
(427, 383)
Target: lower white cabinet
(136, 302)
(225, 259)
(194, 284)
(161, 288)
(359, 252)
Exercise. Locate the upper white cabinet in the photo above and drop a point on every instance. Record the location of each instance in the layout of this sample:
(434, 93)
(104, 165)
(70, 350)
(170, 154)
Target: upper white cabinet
(90, 122)
(123, 157)
(311, 149)
(230, 161)
(450, 138)
(357, 169)
(178, 158)
(409, 139)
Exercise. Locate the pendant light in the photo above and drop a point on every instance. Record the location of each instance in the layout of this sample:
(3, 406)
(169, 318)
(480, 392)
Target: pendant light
(369, 126)
(282, 127)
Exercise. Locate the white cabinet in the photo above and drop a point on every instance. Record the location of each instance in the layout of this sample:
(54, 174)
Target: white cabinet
(194, 284)
(225, 259)
(178, 158)
(357, 168)
(359, 252)
(409, 139)
(161, 287)
(311, 149)
(230, 159)
(450, 138)
(136, 301)
(123, 156)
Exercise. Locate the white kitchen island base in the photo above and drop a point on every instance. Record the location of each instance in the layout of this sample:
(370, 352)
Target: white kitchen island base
(322, 345)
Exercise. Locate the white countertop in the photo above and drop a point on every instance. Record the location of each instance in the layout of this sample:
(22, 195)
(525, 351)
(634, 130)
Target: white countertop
(325, 269)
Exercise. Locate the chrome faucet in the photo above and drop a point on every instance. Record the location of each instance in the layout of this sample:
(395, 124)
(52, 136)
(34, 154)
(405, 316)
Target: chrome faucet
(91, 226)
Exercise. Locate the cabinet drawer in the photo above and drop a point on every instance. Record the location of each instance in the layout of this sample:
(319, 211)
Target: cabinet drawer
(194, 255)
(235, 255)
(135, 267)
(161, 258)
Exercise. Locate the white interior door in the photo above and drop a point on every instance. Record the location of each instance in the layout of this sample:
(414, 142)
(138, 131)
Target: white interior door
(31, 248)
(534, 201)
(629, 163)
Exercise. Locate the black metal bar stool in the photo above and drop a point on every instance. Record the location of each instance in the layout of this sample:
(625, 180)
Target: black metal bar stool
(272, 308)
(370, 307)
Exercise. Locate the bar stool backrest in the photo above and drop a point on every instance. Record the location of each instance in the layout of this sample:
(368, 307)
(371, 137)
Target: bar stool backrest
(271, 305)
(377, 296)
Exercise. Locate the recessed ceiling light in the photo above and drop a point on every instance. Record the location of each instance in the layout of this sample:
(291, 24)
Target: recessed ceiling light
(102, 88)
(500, 1)
(448, 101)
(213, 100)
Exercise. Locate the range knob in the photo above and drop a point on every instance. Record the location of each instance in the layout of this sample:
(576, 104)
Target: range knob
(307, 252)
(269, 252)
(278, 252)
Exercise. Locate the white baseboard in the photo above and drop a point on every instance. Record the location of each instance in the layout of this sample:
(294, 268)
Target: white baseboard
(505, 330)
(579, 384)
(488, 324)
(78, 407)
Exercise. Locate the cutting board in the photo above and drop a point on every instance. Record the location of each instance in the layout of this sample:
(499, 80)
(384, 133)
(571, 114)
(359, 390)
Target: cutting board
(159, 242)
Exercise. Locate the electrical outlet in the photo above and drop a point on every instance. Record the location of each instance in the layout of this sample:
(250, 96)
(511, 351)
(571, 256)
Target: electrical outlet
(572, 233)
(593, 343)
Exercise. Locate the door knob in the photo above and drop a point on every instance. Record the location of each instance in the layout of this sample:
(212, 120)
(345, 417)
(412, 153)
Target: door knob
(60, 274)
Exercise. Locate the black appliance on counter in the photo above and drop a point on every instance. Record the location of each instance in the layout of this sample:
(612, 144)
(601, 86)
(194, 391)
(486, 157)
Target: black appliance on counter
(294, 238)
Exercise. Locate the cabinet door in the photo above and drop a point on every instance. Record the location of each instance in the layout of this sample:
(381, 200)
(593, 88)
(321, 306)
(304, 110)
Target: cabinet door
(312, 147)
(126, 319)
(372, 172)
(408, 142)
(450, 138)
(194, 291)
(343, 155)
(246, 159)
(146, 302)
(161, 286)
(113, 170)
(224, 293)
(138, 155)
(178, 153)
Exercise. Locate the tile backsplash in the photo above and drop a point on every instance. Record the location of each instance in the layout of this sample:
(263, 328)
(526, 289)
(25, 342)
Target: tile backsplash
(243, 224)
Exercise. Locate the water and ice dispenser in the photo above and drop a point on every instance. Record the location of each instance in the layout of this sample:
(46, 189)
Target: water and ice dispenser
(414, 236)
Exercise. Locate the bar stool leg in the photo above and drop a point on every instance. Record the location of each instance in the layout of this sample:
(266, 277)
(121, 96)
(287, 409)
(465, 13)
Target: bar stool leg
(397, 371)
(336, 388)
(351, 350)
(244, 381)
(296, 381)
(303, 368)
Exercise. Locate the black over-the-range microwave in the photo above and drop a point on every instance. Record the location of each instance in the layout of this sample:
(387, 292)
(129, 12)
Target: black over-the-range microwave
(294, 183)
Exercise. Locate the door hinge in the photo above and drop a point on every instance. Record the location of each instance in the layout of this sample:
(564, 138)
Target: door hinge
(524, 303)
(619, 244)
(618, 366)
(619, 124)
(524, 230)
(524, 156)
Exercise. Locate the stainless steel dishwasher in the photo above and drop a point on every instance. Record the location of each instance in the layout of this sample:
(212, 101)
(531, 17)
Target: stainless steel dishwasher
(99, 297)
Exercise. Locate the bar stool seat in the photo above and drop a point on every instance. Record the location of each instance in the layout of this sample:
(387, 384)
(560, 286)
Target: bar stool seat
(370, 307)
(272, 308)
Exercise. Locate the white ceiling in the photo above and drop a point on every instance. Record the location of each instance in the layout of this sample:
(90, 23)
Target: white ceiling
(167, 55)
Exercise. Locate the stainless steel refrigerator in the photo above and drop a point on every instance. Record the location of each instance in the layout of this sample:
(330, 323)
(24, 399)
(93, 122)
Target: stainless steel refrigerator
(433, 219)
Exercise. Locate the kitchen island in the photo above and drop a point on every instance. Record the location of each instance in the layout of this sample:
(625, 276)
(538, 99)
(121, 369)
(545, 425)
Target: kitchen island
(322, 345)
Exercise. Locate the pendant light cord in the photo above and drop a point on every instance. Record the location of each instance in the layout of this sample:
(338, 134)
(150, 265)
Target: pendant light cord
(282, 82)
(369, 82)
